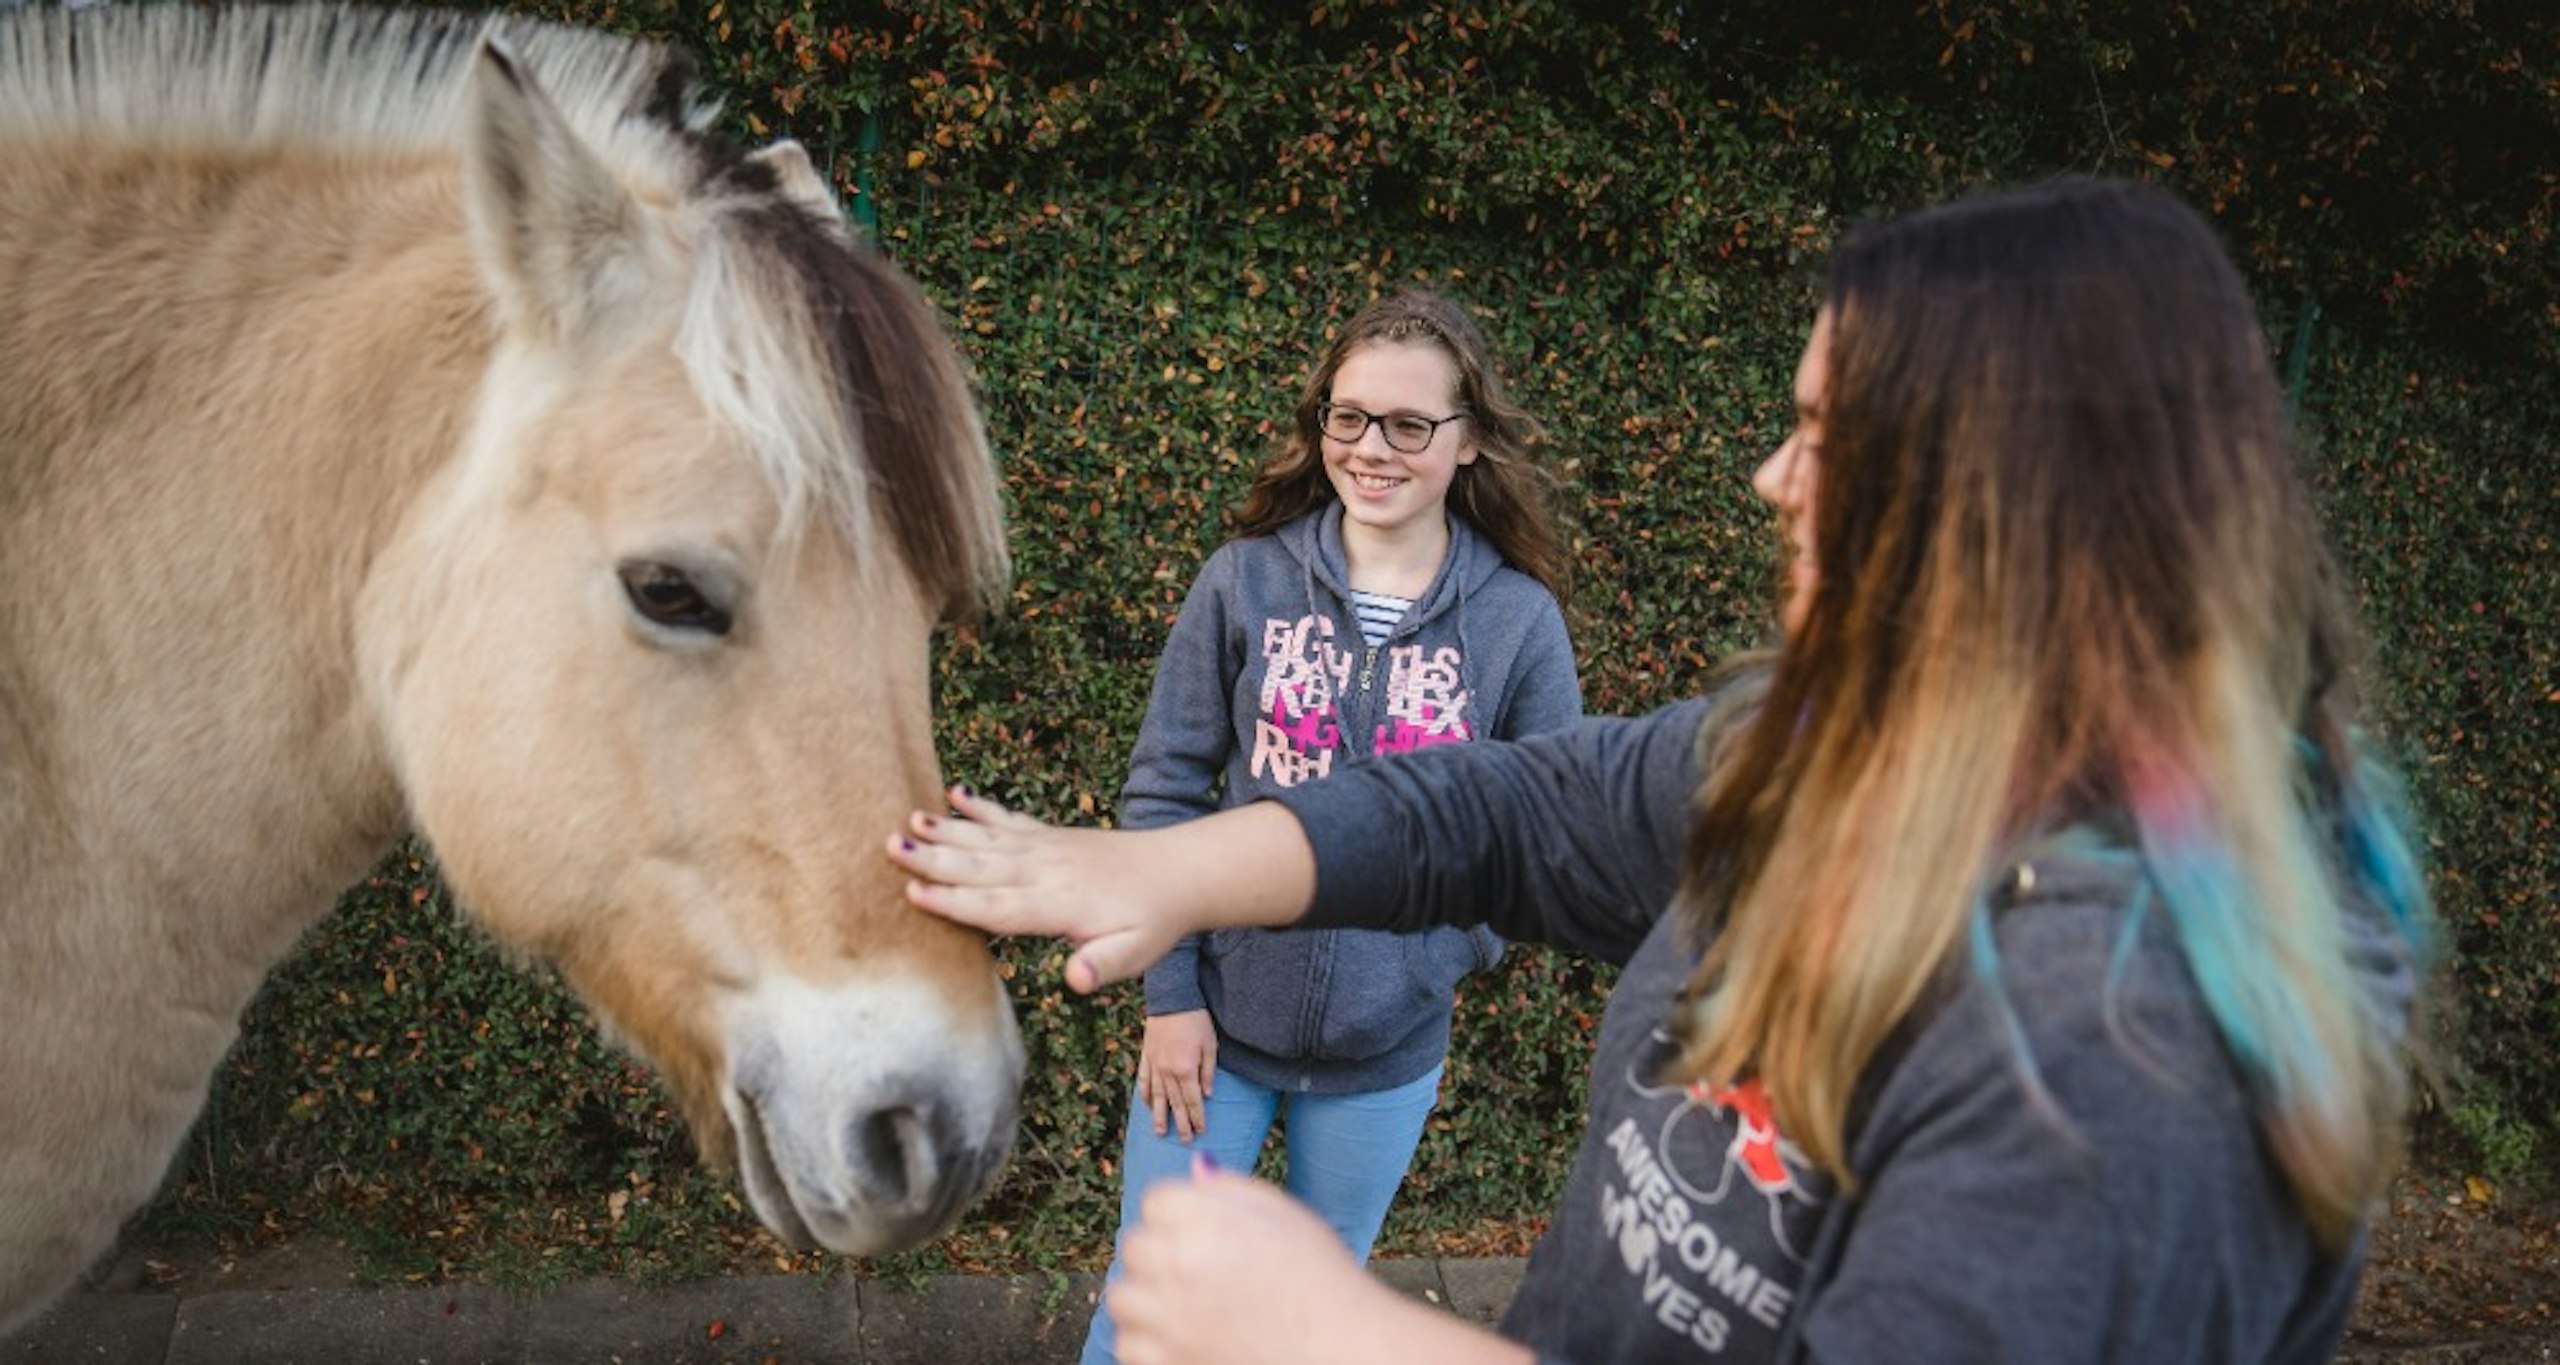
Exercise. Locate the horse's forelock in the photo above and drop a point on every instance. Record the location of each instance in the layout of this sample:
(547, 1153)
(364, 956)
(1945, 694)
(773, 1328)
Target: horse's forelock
(836, 370)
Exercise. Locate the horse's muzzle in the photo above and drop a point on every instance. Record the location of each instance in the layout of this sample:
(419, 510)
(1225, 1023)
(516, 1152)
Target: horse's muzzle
(873, 1132)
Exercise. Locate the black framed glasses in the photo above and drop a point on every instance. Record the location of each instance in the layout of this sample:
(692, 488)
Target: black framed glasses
(1410, 432)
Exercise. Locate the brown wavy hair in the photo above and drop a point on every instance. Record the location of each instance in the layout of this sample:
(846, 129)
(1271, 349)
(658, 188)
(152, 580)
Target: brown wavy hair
(1507, 495)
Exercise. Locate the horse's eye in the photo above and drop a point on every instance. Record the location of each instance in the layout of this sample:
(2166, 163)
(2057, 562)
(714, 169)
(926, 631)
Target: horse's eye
(663, 594)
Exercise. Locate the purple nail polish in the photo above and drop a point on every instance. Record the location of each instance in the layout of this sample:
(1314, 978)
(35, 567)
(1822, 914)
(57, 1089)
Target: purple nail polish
(905, 844)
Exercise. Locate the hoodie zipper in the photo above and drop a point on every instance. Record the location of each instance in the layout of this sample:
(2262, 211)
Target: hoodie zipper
(1320, 973)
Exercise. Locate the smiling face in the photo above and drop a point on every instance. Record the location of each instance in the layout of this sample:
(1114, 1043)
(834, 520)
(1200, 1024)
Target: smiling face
(1388, 493)
(1787, 480)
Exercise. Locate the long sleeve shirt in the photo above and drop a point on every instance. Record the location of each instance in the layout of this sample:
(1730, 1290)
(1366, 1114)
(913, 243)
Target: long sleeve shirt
(2127, 1211)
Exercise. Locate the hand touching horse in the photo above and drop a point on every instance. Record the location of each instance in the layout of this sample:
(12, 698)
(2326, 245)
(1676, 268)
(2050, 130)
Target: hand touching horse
(410, 421)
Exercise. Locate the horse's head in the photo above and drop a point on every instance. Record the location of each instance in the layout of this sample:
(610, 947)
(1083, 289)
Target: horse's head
(651, 660)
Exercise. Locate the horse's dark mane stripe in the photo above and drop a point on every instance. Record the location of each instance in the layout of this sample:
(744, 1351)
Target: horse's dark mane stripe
(904, 396)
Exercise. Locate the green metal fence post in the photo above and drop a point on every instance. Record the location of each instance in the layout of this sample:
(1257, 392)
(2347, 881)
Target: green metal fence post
(2297, 361)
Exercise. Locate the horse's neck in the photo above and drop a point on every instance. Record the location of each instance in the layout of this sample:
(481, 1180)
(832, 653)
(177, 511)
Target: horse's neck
(236, 373)
(152, 284)
(223, 381)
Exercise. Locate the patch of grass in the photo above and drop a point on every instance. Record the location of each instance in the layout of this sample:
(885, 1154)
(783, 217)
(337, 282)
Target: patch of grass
(191, 1220)
(2507, 1148)
(386, 1253)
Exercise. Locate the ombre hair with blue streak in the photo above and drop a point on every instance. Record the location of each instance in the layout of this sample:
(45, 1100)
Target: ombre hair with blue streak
(2071, 593)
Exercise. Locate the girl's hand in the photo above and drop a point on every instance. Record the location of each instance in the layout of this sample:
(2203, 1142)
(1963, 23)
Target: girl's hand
(1176, 1064)
(1123, 898)
(1224, 1267)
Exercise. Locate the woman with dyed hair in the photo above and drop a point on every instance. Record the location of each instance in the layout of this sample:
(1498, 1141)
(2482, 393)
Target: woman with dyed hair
(2018, 960)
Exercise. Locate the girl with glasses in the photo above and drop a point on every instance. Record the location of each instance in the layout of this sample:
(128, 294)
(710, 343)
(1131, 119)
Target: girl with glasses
(1393, 587)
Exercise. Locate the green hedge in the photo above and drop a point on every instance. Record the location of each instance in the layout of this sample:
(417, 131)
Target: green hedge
(1142, 229)
(2443, 493)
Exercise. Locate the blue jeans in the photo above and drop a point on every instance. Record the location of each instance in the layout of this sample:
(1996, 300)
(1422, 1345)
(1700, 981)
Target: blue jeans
(1347, 1155)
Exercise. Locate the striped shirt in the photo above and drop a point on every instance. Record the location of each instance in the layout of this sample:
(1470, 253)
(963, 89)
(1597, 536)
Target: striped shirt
(1378, 613)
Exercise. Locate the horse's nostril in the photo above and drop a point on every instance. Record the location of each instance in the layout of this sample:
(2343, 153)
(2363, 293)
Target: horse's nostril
(897, 1155)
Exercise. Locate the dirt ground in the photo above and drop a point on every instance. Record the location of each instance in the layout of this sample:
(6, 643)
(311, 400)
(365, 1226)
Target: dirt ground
(2464, 1267)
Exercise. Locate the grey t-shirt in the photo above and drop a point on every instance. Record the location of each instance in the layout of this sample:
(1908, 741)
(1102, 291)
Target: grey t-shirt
(2125, 1211)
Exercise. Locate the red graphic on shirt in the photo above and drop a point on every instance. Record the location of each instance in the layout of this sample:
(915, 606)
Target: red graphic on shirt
(1757, 1147)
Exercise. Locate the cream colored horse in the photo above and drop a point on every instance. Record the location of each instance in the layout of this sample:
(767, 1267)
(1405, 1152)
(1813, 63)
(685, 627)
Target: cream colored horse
(406, 428)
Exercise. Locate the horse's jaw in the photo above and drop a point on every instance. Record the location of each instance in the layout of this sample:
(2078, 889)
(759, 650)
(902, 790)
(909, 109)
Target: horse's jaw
(868, 1116)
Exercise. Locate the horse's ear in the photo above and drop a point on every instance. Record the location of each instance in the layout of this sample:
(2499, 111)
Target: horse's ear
(798, 182)
(562, 243)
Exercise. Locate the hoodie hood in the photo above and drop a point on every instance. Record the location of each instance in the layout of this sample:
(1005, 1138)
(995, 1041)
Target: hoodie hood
(1315, 542)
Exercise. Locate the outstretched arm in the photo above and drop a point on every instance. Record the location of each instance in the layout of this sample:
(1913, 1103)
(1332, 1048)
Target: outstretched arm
(1121, 897)
(1571, 838)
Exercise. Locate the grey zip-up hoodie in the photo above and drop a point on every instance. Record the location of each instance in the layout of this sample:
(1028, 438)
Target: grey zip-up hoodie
(1266, 684)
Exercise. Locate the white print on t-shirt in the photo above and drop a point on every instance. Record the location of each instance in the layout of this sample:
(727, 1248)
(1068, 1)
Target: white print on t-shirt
(1425, 705)
(1304, 675)
(1699, 1270)
(1295, 737)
